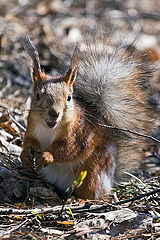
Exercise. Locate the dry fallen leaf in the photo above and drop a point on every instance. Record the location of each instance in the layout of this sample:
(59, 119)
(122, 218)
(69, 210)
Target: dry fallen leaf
(66, 222)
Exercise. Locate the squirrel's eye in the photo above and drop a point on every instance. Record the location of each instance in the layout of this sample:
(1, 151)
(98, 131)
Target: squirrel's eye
(69, 98)
(37, 97)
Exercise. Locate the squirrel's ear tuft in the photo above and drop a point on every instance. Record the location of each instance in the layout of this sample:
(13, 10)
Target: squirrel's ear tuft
(36, 73)
(71, 75)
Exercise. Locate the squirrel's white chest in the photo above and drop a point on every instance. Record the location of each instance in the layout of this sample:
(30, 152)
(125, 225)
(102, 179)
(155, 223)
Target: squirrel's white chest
(45, 135)
(60, 174)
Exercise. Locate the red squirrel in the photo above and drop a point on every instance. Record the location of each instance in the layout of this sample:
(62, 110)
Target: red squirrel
(68, 113)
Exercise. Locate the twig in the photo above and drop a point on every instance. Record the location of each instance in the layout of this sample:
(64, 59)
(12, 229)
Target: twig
(92, 208)
(103, 202)
(131, 235)
(17, 123)
(28, 212)
(104, 206)
(136, 178)
(63, 205)
(13, 229)
(154, 16)
(4, 105)
(137, 197)
(11, 148)
(8, 211)
(132, 132)
(139, 233)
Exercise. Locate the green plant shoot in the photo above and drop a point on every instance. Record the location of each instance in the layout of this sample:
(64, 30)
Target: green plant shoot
(78, 182)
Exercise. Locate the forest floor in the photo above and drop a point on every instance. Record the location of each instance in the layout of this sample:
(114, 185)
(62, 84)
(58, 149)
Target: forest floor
(29, 208)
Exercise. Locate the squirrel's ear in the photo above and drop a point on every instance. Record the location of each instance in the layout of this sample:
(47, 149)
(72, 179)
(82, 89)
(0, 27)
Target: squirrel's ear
(72, 72)
(36, 73)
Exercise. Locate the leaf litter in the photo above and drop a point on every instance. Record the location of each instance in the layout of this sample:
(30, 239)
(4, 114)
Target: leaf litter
(29, 206)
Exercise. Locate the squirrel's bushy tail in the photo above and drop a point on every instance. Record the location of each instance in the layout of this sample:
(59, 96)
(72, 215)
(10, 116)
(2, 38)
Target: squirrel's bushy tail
(115, 81)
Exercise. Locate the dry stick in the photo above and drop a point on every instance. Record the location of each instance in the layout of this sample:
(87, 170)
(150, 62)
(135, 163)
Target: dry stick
(154, 16)
(4, 105)
(17, 123)
(130, 131)
(13, 229)
(139, 233)
(29, 212)
(137, 197)
(117, 203)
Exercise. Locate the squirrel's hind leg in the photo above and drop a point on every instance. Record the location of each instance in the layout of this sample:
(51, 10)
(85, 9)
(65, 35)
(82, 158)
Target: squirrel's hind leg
(100, 167)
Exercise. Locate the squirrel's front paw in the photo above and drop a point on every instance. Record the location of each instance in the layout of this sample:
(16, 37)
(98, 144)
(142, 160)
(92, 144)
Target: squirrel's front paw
(43, 160)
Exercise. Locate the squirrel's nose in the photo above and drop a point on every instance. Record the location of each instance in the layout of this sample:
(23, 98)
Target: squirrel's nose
(53, 114)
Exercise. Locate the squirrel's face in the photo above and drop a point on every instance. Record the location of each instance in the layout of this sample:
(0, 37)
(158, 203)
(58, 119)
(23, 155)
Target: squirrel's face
(52, 98)
(52, 102)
